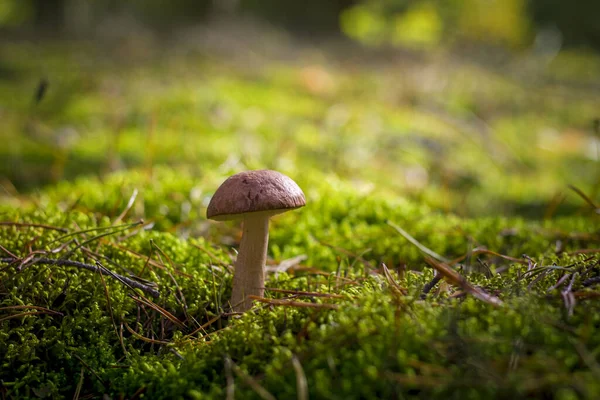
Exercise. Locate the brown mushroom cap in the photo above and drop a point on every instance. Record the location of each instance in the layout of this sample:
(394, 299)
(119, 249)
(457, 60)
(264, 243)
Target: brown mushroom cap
(265, 191)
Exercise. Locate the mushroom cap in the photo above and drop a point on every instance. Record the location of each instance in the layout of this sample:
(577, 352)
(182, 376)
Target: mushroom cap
(265, 191)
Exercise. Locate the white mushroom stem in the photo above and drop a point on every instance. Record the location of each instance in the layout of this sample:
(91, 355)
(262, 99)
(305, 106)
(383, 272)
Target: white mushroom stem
(249, 275)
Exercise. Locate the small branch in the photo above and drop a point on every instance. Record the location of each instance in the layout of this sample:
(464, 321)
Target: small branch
(591, 281)
(68, 263)
(430, 285)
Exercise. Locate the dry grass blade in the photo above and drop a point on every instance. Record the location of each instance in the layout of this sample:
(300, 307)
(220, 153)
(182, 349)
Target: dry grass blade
(458, 280)
(416, 243)
(91, 370)
(127, 207)
(4, 249)
(309, 294)
(301, 382)
(144, 338)
(290, 303)
(393, 284)
(110, 311)
(181, 298)
(285, 265)
(159, 310)
(230, 391)
(79, 385)
(203, 326)
(584, 196)
(248, 380)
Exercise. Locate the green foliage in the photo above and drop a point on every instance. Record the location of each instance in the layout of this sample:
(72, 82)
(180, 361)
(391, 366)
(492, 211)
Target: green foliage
(430, 23)
(376, 344)
(121, 174)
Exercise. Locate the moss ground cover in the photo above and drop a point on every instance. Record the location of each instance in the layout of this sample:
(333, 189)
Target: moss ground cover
(409, 166)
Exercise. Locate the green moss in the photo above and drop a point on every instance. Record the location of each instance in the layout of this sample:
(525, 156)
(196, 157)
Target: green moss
(453, 174)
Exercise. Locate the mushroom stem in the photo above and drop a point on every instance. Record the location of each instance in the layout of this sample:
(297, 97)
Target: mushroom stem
(249, 276)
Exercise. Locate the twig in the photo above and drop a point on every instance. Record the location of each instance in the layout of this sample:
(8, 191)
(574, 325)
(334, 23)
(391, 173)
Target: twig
(248, 380)
(301, 382)
(143, 338)
(68, 263)
(458, 280)
(103, 382)
(229, 378)
(415, 242)
(427, 288)
(393, 284)
(591, 281)
(127, 208)
(584, 196)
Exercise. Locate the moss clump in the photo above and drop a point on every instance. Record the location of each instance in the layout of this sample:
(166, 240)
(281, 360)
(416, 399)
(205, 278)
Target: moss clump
(366, 341)
(84, 249)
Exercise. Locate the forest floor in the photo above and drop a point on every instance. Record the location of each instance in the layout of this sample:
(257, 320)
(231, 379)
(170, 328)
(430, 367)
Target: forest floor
(112, 280)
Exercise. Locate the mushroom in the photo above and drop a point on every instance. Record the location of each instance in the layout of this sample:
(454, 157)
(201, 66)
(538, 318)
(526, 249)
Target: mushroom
(254, 197)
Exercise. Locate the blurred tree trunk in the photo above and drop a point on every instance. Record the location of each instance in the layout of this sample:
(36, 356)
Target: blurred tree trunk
(49, 15)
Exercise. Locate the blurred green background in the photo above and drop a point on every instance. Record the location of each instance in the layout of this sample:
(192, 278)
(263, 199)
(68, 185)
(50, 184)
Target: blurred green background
(510, 22)
(475, 106)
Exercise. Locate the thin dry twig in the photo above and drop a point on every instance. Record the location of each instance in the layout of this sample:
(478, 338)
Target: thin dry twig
(230, 390)
(458, 280)
(301, 382)
(430, 285)
(204, 326)
(416, 243)
(248, 380)
(569, 297)
(159, 309)
(91, 370)
(585, 197)
(104, 271)
(392, 282)
(79, 385)
(127, 207)
(284, 265)
(181, 298)
(143, 338)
